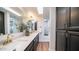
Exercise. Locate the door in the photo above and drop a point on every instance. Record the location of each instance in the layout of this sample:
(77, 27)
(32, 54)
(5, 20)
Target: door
(74, 21)
(61, 40)
(61, 17)
(2, 23)
(73, 41)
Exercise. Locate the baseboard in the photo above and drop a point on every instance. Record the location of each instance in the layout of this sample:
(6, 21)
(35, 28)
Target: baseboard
(44, 40)
(51, 49)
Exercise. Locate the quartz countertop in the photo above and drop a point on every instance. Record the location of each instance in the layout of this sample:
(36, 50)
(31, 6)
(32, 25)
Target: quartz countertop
(20, 43)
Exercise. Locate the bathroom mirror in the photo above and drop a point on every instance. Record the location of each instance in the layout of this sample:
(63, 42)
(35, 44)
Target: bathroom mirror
(9, 22)
(32, 25)
(15, 24)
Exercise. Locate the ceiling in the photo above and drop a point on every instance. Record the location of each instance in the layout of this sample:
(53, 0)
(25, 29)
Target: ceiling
(30, 9)
(27, 10)
(17, 9)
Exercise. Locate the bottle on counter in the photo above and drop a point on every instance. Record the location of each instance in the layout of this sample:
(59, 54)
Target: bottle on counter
(27, 33)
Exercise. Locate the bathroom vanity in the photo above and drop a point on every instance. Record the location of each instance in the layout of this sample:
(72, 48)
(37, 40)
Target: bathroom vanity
(23, 43)
(24, 35)
(33, 45)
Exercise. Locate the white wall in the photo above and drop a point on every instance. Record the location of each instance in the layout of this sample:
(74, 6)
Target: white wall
(7, 22)
(52, 28)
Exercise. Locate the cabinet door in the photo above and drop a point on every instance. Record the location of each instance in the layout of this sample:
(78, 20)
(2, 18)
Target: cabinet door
(74, 19)
(61, 17)
(60, 41)
(75, 16)
(36, 41)
(74, 41)
(2, 29)
(33, 45)
(30, 47)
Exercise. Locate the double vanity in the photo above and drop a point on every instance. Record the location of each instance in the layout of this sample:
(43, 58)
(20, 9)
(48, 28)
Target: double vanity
(16, 33)
(22, 43)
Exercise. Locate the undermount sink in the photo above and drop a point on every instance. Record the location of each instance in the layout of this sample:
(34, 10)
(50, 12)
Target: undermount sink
(21, 38)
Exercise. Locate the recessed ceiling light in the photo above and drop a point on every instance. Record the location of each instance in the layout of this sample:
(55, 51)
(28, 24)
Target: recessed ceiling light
(40, 10)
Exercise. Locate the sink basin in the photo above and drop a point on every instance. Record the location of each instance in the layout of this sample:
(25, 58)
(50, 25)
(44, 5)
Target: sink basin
(22, 38)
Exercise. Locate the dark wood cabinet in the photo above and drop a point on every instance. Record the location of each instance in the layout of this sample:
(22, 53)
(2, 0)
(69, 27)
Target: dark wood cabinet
(62, 23)
(33, 45)
(67, 19)
(61, 41)
(73, 41)
(30, 47)
(2, 27)
(36, 41)
(61, 16)
(74, 19)
(74, 16)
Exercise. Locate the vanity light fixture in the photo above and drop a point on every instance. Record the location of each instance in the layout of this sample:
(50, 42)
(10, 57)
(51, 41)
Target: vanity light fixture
(40, 10)
(11, 10)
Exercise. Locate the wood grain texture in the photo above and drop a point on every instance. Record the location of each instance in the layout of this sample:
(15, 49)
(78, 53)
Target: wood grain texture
(43, 46)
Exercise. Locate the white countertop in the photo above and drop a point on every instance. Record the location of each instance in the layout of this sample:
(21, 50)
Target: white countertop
(19, 43)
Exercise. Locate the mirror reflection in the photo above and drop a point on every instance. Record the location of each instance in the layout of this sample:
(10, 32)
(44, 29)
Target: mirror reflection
(12, 23)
